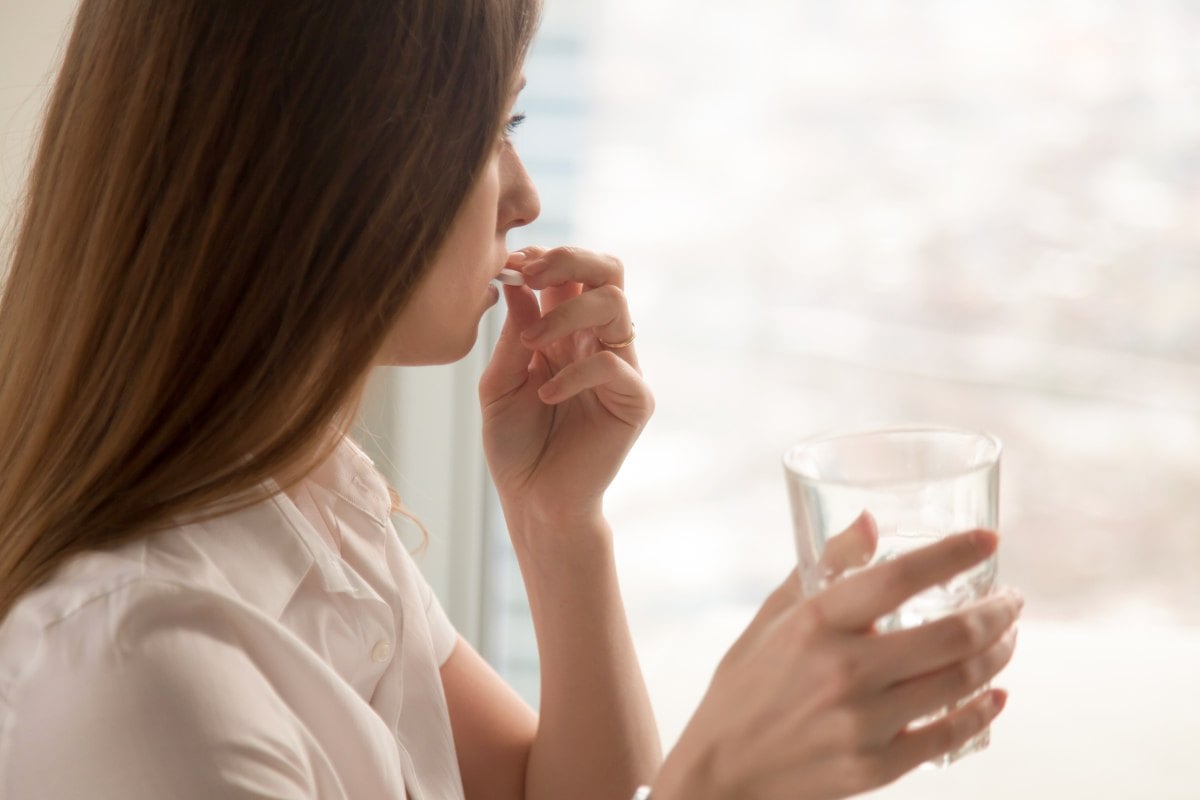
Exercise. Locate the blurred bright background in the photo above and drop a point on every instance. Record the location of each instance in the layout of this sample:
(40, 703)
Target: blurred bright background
(842, 215)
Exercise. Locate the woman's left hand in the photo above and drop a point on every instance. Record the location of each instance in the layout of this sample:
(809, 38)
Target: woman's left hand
(560, 409)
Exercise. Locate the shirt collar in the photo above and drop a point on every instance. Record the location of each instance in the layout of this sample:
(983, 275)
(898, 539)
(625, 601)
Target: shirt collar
(265, 551)
(350, 474)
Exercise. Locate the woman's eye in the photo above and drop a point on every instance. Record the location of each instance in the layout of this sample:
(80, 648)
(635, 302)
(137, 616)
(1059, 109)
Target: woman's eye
(513, 123)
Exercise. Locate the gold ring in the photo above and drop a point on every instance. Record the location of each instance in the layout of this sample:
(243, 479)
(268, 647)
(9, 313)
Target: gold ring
(620, 345)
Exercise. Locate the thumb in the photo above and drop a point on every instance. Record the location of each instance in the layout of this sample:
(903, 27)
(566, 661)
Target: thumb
(511, 359)
(851, 548)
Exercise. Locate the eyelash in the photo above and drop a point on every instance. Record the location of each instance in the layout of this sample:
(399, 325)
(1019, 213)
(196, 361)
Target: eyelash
(513, 123)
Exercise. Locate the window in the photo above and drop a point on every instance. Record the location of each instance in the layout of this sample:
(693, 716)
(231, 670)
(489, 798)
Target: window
(845, 214)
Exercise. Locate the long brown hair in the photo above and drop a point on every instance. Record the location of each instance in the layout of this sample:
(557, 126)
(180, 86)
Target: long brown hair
(230, 205)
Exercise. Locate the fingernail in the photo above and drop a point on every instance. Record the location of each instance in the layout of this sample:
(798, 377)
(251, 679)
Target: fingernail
(548, 390)
(534, 331)
(996, 700)
(517, 257)
(535, 268)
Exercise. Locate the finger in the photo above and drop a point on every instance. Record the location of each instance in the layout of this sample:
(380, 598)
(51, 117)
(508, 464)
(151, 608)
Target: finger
(916, 651)
(603, 312)
(509, 366)
(573, 265)
(918, 745)
(897, 707)
(554, 296)
(618, 386)
(525, 255)
(851, 548)
(855, 602)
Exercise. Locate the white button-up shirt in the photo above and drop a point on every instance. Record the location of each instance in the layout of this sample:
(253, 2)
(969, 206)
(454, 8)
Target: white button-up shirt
(290, 650)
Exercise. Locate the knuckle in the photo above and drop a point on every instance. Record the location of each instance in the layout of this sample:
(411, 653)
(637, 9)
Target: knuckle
(965, 676)
(610, 293)
(557, 255)
(608, 360)
(966, 632)
(808, 621)
(837, 673)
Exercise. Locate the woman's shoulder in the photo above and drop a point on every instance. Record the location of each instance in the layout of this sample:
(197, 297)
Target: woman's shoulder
(239, 569)
(86, 583)
(161, 662)
(92, 610)
(142, 673)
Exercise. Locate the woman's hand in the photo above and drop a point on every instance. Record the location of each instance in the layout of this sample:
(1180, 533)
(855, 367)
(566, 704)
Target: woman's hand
(560, 409)
(811, 702)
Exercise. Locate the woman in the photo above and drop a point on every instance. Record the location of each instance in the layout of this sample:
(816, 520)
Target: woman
(238, 210)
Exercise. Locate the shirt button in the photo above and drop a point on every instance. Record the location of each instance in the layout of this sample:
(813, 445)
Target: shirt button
(382, 651)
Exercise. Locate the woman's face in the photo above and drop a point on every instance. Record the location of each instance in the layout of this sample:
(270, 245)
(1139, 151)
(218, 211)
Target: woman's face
(441, 321)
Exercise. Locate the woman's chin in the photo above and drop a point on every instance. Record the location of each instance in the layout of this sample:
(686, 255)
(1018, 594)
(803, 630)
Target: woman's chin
(443, 352)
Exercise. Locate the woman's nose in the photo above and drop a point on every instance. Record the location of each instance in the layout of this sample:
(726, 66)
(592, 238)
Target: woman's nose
(519, 203)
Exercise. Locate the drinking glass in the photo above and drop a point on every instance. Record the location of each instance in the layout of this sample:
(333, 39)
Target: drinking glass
(919, 484)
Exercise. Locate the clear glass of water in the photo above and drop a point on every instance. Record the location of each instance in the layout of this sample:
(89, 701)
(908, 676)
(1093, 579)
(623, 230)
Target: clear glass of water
(919, 484)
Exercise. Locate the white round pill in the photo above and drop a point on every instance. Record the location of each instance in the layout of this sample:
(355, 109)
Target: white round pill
(511, 277)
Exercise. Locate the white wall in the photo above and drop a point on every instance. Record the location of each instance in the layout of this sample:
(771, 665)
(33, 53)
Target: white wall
(32, 33)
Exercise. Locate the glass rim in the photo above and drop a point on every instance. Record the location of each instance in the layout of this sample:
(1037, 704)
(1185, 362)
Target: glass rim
(997, 449)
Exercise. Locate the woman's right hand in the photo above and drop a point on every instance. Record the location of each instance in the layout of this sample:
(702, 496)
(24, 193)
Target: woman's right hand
(812, 703)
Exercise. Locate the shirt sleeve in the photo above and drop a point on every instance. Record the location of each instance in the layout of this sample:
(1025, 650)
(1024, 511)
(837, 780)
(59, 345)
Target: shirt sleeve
(441, 630)
(186, 715)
